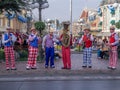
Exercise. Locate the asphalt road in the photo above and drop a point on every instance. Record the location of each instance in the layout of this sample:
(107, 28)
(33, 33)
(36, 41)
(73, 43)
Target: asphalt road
(62, 85)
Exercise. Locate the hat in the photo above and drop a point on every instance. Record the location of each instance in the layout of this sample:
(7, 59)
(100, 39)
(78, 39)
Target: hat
(51, 30)
(33, 29)
(86, 27)
(66, 23)
(8, 28)
(112, 27)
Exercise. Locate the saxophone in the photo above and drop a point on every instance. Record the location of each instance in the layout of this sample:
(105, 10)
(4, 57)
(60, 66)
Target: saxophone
(65, 40)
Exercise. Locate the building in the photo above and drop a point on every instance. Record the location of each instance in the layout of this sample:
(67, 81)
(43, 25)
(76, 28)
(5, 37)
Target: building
(15, 24)
(110, 17)
(90, 17)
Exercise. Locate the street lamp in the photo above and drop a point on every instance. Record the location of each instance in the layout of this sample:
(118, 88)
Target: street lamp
(71, 17)
(40, 4)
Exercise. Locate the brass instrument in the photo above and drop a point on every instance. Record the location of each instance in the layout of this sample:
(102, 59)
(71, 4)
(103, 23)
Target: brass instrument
(66, 40)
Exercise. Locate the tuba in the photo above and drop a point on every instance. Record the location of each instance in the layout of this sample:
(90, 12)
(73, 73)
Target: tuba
(66, 40)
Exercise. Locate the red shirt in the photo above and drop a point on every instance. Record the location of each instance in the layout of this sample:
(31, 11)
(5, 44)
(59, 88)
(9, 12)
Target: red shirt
(87, 41)
(112, 38)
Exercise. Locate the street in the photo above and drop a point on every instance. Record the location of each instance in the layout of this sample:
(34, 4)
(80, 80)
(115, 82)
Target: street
(62, 85)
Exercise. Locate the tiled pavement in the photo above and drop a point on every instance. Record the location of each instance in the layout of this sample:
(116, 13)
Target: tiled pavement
(99, 66)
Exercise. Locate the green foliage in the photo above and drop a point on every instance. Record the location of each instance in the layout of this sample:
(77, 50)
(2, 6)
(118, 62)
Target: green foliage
(2, 56)
(117, 25)
(11, 5)
(112, 22)
(100, 24)
(23, 54)
(40, 26)
(112, 12)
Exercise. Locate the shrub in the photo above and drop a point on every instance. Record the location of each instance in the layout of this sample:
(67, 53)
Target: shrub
(2, 55)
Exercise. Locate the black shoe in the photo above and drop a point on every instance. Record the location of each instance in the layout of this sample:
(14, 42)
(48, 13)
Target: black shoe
(113, 68)
(109, 67)
(7, 69)
(89, 66)
(13, 68)
(34, 68)
(68, 68)
(46, 66)
(28, 68)
(84, 66)
(52, 66)
(63, 68)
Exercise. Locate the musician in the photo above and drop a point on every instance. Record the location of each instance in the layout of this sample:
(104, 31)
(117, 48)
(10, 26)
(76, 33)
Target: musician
(65, 39)
(48, 47)
(34, 42)
(87, 39)
(8, 40)
(113, 42)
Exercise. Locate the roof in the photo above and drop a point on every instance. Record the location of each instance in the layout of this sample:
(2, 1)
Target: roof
(105, 2)
(84, 14)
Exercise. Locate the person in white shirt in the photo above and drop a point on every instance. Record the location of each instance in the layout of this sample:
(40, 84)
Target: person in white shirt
(87, 39)
(8, 40)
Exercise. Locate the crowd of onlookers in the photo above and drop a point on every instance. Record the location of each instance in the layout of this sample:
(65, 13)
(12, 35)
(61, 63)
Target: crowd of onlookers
(99, 44)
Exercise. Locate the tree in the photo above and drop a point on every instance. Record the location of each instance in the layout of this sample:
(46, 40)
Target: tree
(112, 22)
(40, 26)
(11, 6)
(118, 25)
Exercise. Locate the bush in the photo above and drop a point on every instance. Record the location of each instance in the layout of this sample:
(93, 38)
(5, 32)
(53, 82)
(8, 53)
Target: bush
(117, 25)
(2, 55)
(23, 53)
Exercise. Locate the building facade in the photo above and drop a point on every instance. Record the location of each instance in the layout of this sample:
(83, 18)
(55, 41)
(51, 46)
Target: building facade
(110, 16)
(14, 23)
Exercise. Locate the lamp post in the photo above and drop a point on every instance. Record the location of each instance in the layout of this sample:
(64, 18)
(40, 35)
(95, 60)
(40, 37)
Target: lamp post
(71, 17)
(40, 4)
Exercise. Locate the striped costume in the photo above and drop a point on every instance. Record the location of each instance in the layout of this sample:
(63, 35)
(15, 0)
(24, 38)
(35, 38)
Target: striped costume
(113, 56)
(33, 51)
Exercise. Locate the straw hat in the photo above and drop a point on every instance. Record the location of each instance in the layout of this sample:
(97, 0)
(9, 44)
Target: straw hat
(8, 28)
(51, 30)
(112, 27)
(33, 29)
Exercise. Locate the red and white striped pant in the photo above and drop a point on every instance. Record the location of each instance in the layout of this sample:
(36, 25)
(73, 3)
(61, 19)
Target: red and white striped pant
(9, 52)
(113, 57)
(32, 57)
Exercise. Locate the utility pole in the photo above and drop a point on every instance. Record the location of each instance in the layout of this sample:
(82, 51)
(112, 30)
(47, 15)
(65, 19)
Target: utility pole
(39, 9)
(40, 4)
(71, 17)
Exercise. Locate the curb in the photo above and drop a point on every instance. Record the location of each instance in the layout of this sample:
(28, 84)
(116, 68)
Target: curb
(59, 78)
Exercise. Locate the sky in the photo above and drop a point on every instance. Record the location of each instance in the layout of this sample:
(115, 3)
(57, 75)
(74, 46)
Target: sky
(60, 9)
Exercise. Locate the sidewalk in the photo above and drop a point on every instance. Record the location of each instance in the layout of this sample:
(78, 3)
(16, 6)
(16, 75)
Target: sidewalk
(99, 69)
